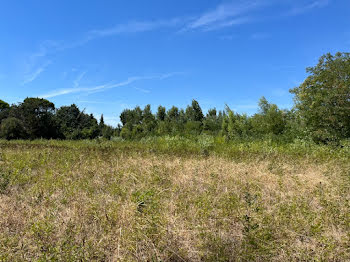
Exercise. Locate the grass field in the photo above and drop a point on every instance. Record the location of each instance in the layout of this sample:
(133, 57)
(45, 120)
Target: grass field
(173, 200)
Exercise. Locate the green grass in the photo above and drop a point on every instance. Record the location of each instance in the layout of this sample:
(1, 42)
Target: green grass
(173, 199)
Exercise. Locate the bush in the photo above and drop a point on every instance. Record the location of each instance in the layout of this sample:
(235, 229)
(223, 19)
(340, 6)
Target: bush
(12, 128)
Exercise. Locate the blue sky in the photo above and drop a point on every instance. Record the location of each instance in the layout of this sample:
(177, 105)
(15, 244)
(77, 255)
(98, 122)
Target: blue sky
(108, 55)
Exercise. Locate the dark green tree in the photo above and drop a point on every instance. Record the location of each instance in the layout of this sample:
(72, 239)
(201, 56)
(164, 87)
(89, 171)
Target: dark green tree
(4, 110)
(75, 124)
(148, 121)
(37, 115)
(173, 114)
(12, 128)
(102, 122)
(3, 105)
(194, 112)
(161, 113)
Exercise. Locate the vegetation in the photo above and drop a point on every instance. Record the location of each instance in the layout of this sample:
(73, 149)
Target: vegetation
(181, 184)
(163, 199)
(321, 114)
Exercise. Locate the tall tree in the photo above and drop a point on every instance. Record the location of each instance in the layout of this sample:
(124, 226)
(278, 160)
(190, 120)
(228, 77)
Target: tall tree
(148, 121)
(75, 124)
(102, 122)
(161, 113)
(173, 114)
(194, 112)
(323, 99)
(37, 115)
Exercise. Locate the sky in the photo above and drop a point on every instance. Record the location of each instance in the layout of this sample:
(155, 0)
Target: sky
(108, 55)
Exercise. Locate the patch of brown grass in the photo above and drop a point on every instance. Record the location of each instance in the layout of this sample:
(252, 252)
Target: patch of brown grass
(71, 204)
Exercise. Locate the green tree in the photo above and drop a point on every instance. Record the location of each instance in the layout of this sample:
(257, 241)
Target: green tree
(37, 114)
(173, 114)
(323, 99)
(3, 105)
(4, 110)
(75, 124)
(194, 112)
(12, 128)
(102, 122)
(270, 119)
(236, 126)
(212, 122)
(148, 121)
(161, 113)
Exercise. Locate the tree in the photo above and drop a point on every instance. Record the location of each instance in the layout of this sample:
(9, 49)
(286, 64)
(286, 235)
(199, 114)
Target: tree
(107, 132)
(101, 125)
(235, 126)
(194, 112)
(4, 110)
(161, 113)
(67, 118)
(270, 119)
(3, 105)
(102, 122)
(12, 128)
(173, 114)
(212, 123)
(148, 121)
(174, 125)
(37, 114)
(75, 124)
(323, 99)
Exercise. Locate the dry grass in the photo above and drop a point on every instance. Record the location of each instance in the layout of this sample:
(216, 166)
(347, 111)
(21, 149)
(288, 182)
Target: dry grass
(103, 204)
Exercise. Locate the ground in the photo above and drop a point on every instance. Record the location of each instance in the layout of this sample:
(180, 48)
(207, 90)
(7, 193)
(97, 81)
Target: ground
(119, 201)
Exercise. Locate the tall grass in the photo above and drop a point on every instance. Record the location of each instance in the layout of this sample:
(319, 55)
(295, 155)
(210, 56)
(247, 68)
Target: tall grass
(174, 199)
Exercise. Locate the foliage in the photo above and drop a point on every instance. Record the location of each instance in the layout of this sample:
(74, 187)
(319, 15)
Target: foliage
(323, 100)
(3, 105)
(75, 124)
(12, 128)
(174, 199)
(270, 120)
(37, 115)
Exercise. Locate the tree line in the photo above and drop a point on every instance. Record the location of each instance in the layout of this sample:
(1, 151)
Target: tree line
(321, 113)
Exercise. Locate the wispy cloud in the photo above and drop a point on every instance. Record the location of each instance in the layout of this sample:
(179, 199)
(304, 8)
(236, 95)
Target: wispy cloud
(227, 14)
(51, 47)
(45, 48)
(105, 87)
(136, 27)
(127, 28)
(142, 90)
(307, 7)
(224, 15)
(76, 82)
(36, 73)
(236, 13)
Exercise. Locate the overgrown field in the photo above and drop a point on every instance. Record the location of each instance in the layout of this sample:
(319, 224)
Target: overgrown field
(173, 200)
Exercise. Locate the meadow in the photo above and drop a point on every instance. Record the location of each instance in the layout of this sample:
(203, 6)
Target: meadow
(174, 199)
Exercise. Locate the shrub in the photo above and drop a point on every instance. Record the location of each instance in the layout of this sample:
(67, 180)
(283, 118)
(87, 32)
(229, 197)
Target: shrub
(12, 128)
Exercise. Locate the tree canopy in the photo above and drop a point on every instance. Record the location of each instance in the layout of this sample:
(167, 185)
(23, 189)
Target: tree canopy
(323, 99)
